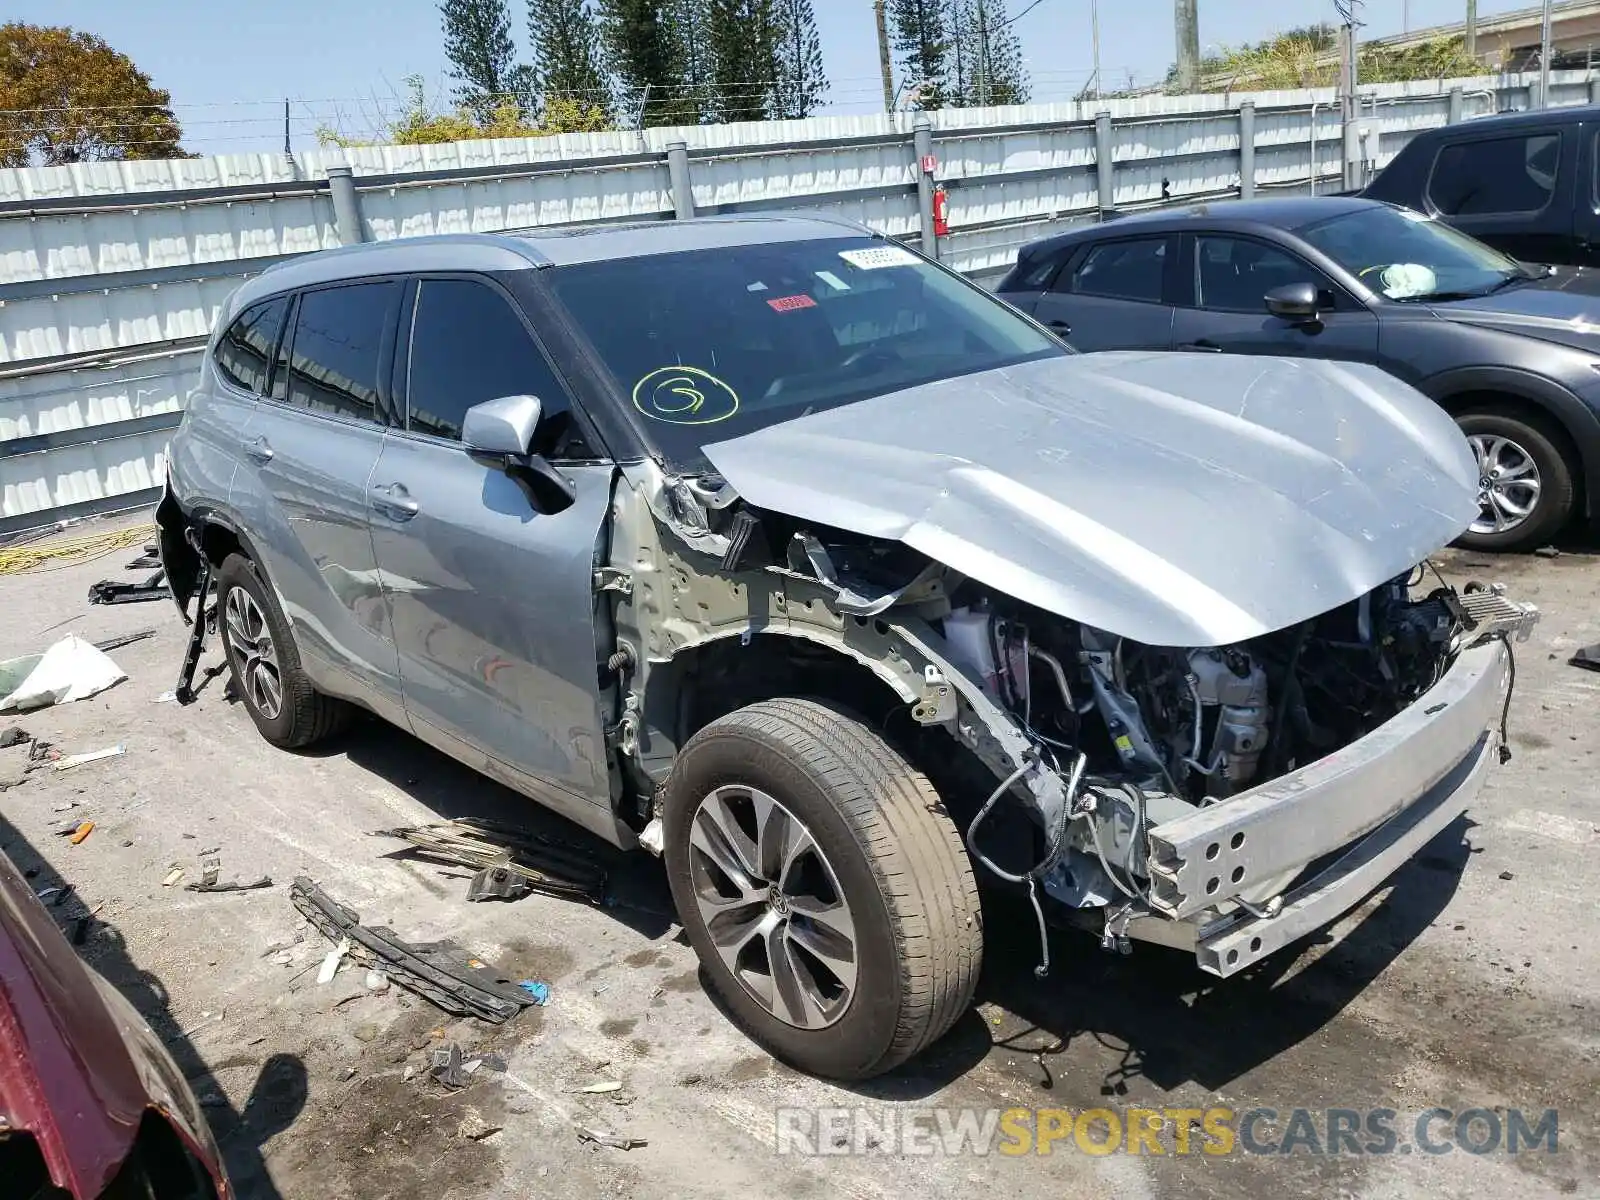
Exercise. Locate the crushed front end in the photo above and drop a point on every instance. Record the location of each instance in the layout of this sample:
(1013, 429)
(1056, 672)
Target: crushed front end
(1234, 799)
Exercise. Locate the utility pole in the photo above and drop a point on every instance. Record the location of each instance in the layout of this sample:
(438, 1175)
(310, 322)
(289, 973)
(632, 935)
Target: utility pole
(1186, 23)
(1544, 56)
(1351, 104)
(1472, 28)
(1094, 33)
(884, 63)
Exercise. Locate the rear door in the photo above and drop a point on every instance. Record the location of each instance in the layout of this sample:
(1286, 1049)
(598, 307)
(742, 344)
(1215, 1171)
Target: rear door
(1232, 275)
(301, 490)
(493, 595)
(1113, 295)
(1513, 190)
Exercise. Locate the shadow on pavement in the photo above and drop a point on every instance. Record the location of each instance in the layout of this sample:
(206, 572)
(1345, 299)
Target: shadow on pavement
(280, 1089)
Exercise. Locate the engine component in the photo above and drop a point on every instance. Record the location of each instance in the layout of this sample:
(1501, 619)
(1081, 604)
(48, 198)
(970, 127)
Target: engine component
(1233, 684)
(1123, 719)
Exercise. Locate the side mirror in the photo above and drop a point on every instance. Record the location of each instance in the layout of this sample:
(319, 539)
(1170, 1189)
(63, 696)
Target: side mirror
(1293, 302)
(501, 431)
(502, 426)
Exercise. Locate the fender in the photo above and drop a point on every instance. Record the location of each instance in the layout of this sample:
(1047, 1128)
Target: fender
(1578, 419)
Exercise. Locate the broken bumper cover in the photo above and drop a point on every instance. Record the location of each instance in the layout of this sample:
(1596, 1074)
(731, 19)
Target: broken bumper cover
(1380, 798)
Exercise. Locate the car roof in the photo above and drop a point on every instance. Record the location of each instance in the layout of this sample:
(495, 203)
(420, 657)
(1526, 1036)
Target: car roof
(524, 249)
(1566, 114)
(1287, 212)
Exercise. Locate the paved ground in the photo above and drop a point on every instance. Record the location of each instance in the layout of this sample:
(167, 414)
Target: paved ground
(1470, 983)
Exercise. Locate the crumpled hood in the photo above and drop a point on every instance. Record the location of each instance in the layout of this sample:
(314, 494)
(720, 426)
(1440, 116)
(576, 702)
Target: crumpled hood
(1176, 499)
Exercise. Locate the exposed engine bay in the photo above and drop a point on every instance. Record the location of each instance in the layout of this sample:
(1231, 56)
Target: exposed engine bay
(1200, 724)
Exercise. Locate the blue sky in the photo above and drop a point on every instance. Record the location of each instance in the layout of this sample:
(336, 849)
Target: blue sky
(230, 66)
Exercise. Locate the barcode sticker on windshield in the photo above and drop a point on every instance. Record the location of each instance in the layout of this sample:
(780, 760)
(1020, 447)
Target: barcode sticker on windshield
(878, 257)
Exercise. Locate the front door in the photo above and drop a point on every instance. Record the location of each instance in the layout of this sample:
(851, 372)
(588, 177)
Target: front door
(1229, 314)
(312, 447)
(493, 599)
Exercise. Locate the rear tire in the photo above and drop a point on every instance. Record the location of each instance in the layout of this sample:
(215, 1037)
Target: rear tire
(1521, 447)
(267, 676)
(843, 1006)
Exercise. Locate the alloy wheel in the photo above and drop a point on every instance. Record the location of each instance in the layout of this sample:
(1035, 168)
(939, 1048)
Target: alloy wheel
(1508, 483)
(257, 657)
(772, 904)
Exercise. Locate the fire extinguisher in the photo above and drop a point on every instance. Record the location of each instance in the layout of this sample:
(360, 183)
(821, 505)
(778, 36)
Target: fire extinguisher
(941, 211)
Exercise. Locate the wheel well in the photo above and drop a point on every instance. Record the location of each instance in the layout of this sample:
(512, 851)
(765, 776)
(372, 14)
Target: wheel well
(1532, 412)
(719, 677)
(218, 541)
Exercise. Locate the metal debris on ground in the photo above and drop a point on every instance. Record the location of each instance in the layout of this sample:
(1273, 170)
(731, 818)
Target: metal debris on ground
(126, 639)
(78, 760)
(498, 883)
(116, 591)
(1588, 658)
(617, 1141)
(440, 972)
(211, 868)
(546, 864)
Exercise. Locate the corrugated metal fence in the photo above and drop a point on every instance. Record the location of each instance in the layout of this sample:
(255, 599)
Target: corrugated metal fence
(111, 273)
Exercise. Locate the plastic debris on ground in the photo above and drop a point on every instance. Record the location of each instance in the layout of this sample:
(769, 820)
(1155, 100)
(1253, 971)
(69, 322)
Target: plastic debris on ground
(81, 832)
(511, 861)
(172, 877)
(601, 1089)
(601, 1137)
(539, 990)
(211, 868)
(78, 760)
(72, 669)
(441, 972)
(331, 962)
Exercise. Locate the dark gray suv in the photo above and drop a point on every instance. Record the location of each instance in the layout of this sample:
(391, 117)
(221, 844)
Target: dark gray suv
(770, 546)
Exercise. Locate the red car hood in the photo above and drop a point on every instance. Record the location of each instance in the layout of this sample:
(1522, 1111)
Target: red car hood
(78, 1067)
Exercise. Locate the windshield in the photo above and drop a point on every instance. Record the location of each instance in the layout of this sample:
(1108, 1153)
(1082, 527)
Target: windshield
(711, 344)
(1406, 256)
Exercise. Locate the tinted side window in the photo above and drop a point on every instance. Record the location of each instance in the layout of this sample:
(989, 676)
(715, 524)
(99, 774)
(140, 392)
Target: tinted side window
(244, 352)
(469, 345)
(1131, 270)
(1501, 175)
(1236, 273)
(338, 340)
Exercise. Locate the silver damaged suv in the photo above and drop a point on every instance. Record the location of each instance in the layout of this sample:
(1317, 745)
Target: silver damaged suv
(768, 544)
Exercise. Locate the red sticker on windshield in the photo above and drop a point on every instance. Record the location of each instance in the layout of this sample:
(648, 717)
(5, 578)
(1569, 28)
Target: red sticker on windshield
(790, 303)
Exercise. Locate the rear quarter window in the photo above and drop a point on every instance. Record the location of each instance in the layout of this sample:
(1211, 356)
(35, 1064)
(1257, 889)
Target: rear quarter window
(1495, 175)
(244, 352)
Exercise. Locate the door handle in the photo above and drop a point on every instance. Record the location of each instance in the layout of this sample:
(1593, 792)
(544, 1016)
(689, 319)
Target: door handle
(1060, 326)
(259, 449)
(393, 499)
(1202, 344)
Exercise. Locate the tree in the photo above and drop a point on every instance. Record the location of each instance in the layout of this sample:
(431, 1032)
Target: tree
(69, 97)
(921, 40)
(566, 41)
(419, 125)
(801, 81)
(741, 36)
(691, 22)
(985, 57)
(645, 44)
(483, 58)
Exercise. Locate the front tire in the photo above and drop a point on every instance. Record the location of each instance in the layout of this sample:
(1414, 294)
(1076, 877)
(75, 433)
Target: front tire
(824, 888)
(287, 710)
(1525, 483)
